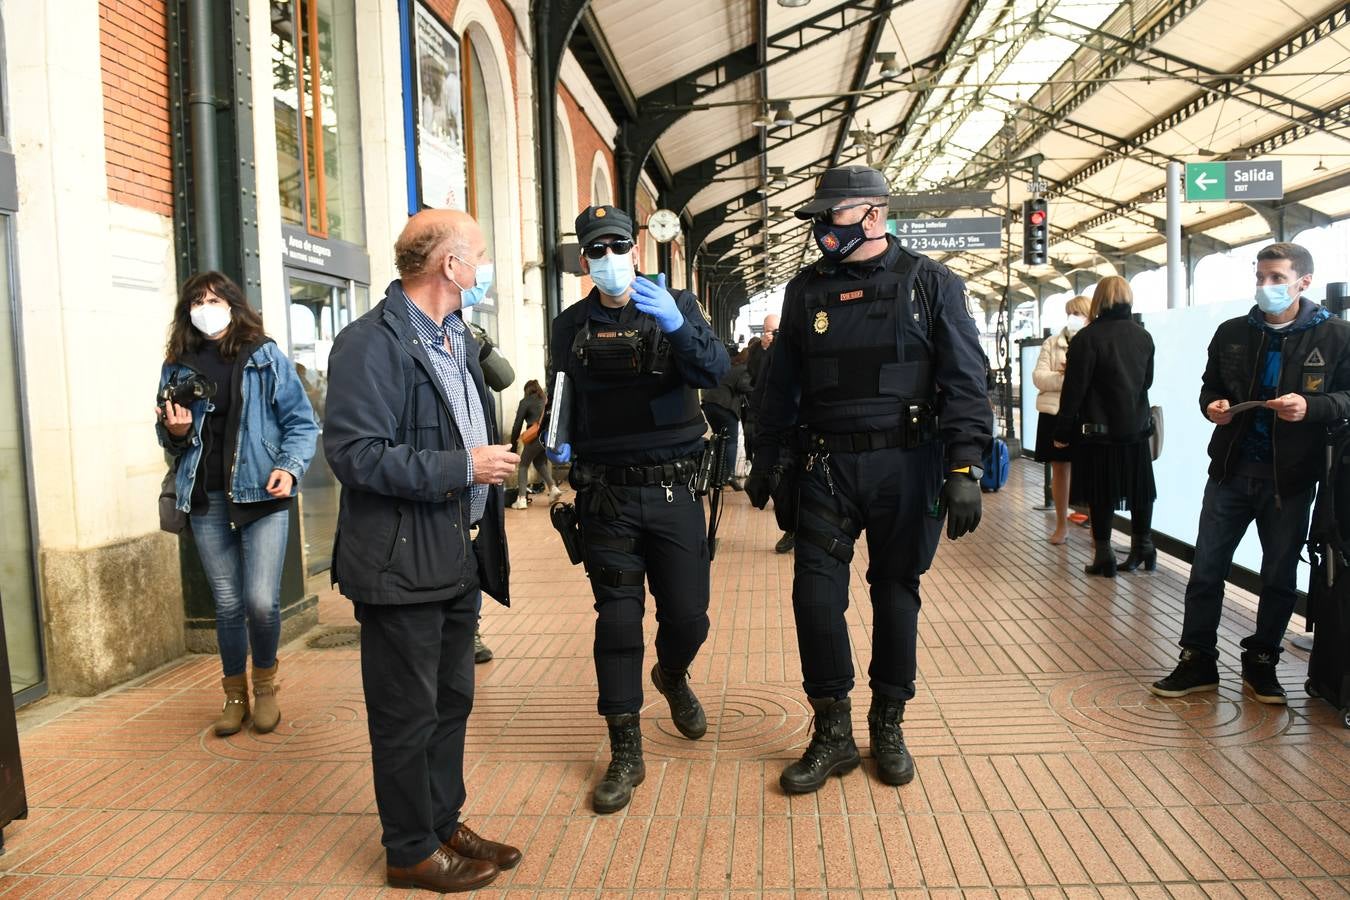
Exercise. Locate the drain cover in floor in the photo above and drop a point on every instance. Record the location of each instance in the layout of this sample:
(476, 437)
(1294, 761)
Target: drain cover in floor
(333, 638)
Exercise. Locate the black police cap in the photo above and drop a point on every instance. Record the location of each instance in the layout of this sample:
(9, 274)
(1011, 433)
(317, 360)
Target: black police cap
(844, 183)
(603, 221)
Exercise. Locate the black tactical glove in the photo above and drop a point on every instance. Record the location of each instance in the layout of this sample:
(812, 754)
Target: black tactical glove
(761, 484)
(961, 498)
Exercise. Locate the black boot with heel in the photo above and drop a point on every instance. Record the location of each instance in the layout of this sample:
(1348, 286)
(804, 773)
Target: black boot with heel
(1142, 553)
(1103, 560)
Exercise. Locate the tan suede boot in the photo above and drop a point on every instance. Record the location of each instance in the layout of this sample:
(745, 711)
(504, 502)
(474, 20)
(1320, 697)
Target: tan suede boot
(235, 711)
(266, 713)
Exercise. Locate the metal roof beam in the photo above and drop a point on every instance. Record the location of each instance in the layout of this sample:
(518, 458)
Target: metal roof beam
(1264, 99)
(664, 106)
(1094, 78)
(859, 82)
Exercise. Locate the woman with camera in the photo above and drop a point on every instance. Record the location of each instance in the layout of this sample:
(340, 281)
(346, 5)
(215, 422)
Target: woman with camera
(234, 414)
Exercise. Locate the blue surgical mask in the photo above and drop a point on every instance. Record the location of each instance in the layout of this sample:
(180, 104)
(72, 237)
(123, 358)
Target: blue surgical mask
(1273, 299)
(613, 273)
(482, 280)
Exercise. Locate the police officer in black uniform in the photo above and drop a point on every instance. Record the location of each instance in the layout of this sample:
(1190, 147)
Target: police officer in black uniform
(878, 377)
(635, 355)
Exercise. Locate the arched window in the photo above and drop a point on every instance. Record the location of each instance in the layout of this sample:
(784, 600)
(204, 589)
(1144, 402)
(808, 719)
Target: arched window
(602, 194)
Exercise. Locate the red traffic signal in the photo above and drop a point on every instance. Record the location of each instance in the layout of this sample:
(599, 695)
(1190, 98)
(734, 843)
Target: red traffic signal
(1038, 217)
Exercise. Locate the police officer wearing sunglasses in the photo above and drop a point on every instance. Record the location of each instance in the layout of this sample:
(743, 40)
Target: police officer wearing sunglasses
(636, 355)
(877, 378)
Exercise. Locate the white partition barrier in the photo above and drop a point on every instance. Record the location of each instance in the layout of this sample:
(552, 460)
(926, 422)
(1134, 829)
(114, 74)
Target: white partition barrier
(1181, 337)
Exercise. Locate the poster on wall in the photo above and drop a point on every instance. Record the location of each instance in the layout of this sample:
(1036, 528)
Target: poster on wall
(440, 115)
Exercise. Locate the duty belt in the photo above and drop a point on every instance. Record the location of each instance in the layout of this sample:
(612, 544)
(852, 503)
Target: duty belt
(919, 429)
(674, 472)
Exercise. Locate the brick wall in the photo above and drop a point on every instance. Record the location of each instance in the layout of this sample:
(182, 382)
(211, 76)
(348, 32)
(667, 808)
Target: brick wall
(134, 55)
(586, 141)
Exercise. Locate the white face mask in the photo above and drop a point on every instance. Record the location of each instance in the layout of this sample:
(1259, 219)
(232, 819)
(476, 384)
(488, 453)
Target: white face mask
(210, 318)
(1075, 323)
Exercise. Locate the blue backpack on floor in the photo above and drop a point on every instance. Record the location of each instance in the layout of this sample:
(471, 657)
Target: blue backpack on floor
(995, 465)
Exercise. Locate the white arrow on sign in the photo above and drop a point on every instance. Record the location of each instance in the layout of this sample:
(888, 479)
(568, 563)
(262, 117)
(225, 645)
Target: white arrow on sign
(1203, 181)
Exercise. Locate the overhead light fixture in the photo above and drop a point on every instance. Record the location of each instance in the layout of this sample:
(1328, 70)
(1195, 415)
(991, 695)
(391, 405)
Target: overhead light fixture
(793, 4)
(763, 120)
(782, 113)
(1321, 166)
(889, 67)
(776, 177)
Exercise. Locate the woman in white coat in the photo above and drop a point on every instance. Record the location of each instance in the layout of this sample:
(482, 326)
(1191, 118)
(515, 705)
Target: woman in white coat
(1049, 379)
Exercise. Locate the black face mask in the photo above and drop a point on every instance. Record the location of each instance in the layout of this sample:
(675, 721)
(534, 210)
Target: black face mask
(836, 242)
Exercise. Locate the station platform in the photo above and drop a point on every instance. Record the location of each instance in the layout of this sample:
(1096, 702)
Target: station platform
(1045, 768)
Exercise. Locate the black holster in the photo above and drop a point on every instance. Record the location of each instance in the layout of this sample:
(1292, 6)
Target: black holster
(786, 493)
(568, 523)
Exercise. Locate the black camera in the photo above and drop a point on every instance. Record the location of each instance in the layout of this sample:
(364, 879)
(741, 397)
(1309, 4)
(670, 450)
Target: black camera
(187, 390)
(712, 464)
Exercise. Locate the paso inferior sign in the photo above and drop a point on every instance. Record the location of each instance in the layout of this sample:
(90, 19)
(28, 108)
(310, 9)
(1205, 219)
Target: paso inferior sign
(1261, 179)
(951, 234)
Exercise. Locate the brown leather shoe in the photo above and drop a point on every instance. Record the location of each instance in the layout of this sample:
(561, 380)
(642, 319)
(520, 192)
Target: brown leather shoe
(467, 843)
(445, 872)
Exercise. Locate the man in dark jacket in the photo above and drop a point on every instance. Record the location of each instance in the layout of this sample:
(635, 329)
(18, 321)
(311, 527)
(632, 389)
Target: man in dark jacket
(723, 406)
(410, 434)
(1293, 358)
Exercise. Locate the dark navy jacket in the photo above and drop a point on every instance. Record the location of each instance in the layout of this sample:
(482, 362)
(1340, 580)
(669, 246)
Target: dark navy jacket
(403, 527)
(958, 364)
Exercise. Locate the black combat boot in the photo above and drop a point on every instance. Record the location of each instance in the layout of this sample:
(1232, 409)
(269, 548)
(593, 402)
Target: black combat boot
(831, 751)
(1103, 560)
(1142, 553)
(626, 770)
(894, 764)
(685, 710)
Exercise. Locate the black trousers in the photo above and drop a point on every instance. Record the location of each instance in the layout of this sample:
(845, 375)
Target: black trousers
(417, 672)
(662, 534)
(891, 495)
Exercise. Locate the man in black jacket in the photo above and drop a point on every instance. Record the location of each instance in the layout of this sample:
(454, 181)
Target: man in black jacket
(1293, 357)
(410, 434)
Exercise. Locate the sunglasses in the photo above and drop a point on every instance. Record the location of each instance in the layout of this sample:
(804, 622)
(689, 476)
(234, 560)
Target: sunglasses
(827, 215)
(598, 249)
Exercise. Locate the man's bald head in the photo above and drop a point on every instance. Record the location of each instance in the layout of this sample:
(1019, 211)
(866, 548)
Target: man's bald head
(431, 236)
(770, 326)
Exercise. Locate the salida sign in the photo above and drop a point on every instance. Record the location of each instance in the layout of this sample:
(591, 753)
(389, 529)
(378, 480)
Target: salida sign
(1247, 180)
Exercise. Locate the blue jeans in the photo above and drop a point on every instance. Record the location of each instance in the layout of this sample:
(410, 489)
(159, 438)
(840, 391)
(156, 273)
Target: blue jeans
(1228, 508)
(243, 567)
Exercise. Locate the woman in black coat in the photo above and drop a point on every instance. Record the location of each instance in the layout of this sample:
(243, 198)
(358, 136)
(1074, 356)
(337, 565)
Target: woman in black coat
(1104, 417)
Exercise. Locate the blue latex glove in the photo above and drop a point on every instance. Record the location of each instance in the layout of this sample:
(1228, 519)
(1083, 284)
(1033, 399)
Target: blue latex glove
(656, 301)
(563, 455)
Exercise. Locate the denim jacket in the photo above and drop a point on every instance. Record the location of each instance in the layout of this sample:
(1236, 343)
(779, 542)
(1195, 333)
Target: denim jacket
(277, 428)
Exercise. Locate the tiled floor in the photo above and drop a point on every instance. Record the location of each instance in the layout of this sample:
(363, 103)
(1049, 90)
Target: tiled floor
(1045, 768)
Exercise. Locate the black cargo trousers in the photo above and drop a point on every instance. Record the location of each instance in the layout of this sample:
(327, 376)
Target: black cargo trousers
(656, 535)
(892, 495)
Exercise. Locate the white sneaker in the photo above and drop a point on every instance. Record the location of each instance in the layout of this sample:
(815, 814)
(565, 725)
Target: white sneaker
(554, 493)
(521, 502)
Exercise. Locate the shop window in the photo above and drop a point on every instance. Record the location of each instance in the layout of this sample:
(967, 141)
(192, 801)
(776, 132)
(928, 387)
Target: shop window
(314, 98)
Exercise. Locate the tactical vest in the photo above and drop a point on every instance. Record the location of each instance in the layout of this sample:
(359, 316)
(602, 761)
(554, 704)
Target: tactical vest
(868, 347)
(628, 393)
